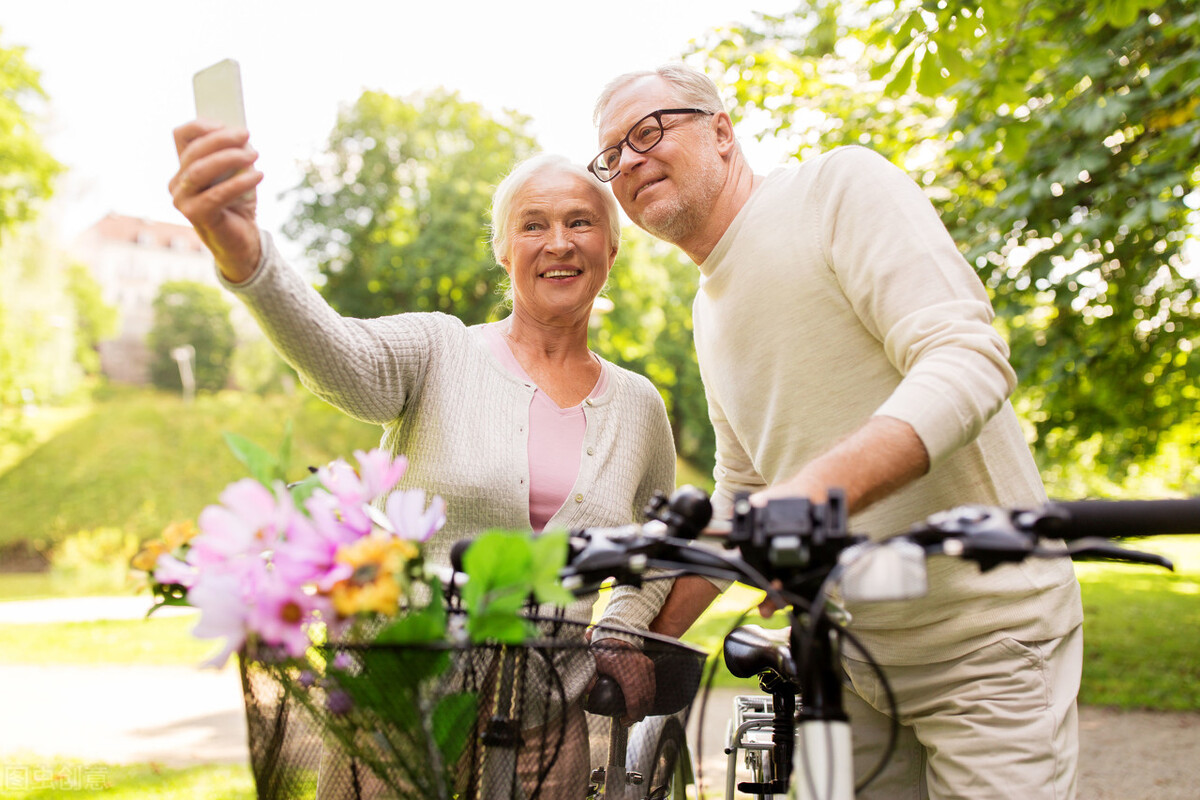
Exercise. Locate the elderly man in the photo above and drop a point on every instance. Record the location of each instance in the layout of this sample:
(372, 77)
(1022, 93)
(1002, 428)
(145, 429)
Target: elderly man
(845, 342)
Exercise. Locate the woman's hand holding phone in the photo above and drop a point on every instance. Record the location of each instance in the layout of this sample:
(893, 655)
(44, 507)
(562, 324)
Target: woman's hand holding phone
(214, 187)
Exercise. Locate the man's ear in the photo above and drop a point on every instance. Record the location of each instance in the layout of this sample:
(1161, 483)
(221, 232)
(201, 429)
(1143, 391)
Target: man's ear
(723, 129)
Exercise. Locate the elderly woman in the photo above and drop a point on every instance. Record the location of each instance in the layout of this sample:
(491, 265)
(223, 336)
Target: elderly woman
(516, 424)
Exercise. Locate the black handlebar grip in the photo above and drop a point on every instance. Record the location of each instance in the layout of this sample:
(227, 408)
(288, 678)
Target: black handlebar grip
(1117, 518)
(457, 550)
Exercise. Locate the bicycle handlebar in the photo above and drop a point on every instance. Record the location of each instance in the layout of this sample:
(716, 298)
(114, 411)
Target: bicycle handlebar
(799, 543)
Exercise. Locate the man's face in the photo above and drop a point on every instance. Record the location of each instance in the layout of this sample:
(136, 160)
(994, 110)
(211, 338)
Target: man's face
(669, 190)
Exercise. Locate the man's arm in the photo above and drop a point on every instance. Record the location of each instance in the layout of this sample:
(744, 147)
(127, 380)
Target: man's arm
(688, 599)
(882, 456)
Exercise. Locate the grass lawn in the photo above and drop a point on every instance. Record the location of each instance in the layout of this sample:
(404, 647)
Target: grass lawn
(1142, 629)
(39, 778)
(146, 642)
(139, 459)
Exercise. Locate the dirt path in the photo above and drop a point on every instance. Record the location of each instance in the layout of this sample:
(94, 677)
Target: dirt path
(180, 716)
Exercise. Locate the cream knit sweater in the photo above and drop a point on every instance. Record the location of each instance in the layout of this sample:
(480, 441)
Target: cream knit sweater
(462, 419)
(837, 294)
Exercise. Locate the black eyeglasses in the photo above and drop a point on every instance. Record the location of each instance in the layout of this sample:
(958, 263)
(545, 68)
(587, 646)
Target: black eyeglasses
(647, 132)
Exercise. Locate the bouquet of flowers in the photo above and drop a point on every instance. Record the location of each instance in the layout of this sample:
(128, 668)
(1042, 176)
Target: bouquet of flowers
(351, 651)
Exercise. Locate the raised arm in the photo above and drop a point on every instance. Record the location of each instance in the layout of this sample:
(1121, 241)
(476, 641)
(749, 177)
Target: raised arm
(367, 368)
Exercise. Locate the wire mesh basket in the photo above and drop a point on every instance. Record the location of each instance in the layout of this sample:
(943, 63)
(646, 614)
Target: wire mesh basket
(438, 720)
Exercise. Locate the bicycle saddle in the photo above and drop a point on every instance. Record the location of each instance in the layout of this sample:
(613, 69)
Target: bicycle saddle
(753, 649)
(676, 679)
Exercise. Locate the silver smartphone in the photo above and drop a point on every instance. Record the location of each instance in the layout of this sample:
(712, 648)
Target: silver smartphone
(218, 92)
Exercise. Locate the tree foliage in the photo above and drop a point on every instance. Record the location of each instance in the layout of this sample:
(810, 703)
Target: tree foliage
(95, 320)
(649, 331)
(394, 211)
(1060, 140)
(27, 170)
(190, 313)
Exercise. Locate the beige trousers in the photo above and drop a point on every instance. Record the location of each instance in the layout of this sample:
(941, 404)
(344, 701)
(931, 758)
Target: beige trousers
(1000, 722)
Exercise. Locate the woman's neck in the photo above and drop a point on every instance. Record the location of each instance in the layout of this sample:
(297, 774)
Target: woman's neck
(556, 357)
(550, 342)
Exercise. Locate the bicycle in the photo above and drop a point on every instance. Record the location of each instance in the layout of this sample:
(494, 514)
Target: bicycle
(808, 548)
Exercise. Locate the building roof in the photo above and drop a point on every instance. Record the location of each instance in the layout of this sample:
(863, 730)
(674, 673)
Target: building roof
(118, 228)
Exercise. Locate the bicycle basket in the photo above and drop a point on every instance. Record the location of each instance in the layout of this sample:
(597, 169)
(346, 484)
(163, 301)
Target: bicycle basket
(435, 720)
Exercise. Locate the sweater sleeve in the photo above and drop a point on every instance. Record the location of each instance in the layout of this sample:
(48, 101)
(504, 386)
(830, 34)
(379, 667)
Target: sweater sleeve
(913, 290)
(368, 368)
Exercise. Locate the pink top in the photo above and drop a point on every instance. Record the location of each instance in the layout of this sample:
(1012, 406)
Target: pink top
(555, 437)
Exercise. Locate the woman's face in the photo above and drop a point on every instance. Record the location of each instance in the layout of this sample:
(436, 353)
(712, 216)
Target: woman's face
(559, 253)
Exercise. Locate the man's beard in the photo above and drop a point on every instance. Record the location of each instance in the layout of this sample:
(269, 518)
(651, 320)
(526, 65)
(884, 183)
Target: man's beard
(678, 218)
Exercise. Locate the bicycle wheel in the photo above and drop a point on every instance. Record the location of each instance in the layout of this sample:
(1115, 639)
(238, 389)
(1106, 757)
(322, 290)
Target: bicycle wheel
(668, 775)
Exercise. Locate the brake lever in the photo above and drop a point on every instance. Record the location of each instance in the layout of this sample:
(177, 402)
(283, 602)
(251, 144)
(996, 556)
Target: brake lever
(1099, 549)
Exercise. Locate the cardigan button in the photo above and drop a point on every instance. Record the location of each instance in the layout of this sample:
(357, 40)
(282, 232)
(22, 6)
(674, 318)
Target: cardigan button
(591, 451)
(578, 498)
(587, 402)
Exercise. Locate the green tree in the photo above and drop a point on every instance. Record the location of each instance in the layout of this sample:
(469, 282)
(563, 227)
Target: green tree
(190, 313)
(394, 212)
(649, 331)
(37, 329)
(1060, 140)
(95, 320)
(27, 170)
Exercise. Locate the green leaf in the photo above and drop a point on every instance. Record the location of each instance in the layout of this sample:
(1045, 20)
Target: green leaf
(454, 721)
(549, 557)
(505, 627)
(425, 625)
(497, 563)
(263, 466)
(302, 490)
(929, 79)
(902, 79)
(284, 458)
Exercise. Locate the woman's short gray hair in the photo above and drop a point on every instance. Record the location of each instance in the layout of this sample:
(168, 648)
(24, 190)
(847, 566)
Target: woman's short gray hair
(502, 199)
(693, 88)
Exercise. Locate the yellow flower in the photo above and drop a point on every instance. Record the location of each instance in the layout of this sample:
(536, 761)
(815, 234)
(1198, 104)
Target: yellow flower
(179, 533)
(376, 561)
(147, 559)
(174, 536)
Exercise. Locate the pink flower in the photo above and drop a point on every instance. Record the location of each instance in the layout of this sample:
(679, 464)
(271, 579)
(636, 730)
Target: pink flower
(281, 613)
(409, 517)
(308, 550)
(249, 521)
(169, 569)
(351, 496)
(379, 471)
(223, 612)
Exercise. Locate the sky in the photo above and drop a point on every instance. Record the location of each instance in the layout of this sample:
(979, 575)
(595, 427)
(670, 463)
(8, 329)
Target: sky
(118, 75)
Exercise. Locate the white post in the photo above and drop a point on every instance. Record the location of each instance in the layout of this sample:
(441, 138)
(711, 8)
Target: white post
(185, 357)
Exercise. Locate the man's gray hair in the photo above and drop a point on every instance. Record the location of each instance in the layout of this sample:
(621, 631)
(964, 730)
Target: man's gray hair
(502, 199)
(693, 88)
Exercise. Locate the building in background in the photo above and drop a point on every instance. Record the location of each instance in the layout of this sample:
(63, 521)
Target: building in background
(131, 258)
